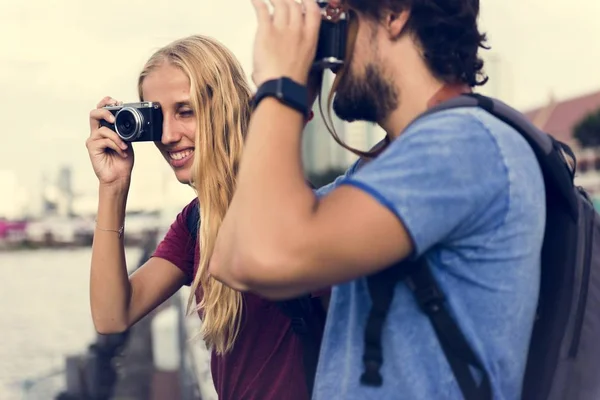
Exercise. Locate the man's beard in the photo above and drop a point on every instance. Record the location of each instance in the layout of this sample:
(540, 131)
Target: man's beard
(370, 98)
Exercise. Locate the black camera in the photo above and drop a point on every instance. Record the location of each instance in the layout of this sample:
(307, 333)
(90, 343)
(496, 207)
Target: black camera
(137, 122)
(333, 34)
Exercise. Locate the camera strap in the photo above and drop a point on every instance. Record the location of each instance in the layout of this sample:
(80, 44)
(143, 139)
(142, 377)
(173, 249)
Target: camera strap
(446, 93)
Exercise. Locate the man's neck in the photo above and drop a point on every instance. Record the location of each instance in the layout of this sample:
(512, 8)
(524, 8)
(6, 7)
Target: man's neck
(416, 96)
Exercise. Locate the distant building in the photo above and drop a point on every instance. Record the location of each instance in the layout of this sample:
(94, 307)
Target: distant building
(559, 118)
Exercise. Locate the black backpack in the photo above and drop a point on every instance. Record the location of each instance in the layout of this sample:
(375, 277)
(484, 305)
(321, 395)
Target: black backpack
(564, 355)
(305, 312)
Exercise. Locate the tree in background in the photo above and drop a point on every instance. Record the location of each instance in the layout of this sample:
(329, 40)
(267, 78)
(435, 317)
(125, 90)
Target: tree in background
(587, 131)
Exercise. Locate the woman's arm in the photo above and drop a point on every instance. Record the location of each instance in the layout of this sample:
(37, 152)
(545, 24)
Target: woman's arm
(117, 300)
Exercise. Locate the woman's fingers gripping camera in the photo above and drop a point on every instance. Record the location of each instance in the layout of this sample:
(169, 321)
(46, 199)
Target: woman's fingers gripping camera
(101, 136)
(108, 139)
(111, 156)
(100, 113)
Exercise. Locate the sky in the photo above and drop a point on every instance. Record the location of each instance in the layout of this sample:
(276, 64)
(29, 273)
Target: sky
(59, 58)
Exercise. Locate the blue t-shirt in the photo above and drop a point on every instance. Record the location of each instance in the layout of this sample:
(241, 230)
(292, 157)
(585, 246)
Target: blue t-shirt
(470, 193)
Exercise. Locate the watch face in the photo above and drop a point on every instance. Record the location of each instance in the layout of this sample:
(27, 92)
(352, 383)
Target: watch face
(296, 94)
(287, 92)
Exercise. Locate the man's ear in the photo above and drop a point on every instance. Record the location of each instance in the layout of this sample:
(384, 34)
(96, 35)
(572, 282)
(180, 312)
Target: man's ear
(395, 23)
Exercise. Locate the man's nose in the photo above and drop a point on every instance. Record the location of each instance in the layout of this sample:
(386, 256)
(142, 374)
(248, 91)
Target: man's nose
(170, 134)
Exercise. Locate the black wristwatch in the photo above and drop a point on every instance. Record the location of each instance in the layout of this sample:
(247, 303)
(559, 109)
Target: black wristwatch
(287, 91)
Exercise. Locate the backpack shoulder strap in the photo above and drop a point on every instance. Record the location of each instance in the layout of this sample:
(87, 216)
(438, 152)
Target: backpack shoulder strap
(430, 299)
(556, 159)
(458, 352)
(381, 289)
(193, 220)
(307, 317)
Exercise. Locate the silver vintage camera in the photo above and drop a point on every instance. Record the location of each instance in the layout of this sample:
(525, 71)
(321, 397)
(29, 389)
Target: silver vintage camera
(333, 34)
(137, 122)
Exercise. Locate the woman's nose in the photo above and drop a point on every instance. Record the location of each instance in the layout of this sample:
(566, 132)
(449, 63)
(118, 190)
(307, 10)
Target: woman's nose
(170, 135)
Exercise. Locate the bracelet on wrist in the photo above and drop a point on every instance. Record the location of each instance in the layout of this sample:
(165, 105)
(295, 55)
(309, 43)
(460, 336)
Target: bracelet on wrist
(118, 231)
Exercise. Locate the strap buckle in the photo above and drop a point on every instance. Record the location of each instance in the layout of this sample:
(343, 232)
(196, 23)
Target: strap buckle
(371, 375)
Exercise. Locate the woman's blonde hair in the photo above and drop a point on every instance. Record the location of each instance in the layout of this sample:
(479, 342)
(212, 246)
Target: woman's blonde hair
(220, 98)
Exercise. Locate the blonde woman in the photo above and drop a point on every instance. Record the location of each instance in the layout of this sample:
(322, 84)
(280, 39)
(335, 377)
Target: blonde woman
(205, 102)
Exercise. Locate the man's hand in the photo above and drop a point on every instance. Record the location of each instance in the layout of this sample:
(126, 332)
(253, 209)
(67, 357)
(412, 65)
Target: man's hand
(286, 41)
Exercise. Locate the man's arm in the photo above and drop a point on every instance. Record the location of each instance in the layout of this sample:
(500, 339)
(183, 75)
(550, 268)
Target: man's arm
(278, 239)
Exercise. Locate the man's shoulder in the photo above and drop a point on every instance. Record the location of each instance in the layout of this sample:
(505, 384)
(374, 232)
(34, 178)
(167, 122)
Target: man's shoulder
(473, 124)
(459, 122)
(484, 139)
(464, 139)
(455, 142)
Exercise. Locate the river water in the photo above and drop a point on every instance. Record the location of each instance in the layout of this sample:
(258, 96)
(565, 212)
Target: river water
(44, 316)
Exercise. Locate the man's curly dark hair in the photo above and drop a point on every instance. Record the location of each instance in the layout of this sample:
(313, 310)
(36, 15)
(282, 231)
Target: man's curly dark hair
(446, 30)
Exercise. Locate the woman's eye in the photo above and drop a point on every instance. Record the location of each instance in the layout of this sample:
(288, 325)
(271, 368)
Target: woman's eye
(186, 113)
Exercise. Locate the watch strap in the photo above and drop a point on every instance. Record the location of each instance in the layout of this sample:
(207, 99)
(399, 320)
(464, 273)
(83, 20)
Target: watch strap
(286, 91)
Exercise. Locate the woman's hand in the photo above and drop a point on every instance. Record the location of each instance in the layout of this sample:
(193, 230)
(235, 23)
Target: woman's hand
(285, 42)
(112, 158)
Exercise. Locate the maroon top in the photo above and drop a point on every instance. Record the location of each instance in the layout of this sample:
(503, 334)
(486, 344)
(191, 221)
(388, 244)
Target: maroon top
(266, 360)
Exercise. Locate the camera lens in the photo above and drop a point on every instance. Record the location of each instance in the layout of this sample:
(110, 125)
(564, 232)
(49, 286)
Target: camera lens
(128, 123)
